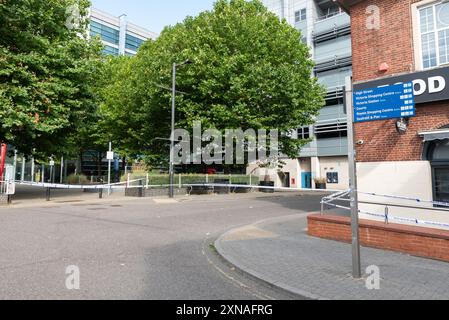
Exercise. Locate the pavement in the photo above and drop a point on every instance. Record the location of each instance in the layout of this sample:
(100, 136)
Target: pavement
(279, 252)
(131, 248)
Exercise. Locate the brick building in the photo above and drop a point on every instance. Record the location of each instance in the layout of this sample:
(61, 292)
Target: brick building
(398, 41)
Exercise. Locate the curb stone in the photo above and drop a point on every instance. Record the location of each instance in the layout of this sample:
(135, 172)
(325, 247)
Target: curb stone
(259, 276)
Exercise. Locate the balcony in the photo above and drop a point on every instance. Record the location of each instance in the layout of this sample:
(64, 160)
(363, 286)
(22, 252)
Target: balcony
(331, 126)
(335, 94)
(332, 27)
(332, 63)
(334, 47)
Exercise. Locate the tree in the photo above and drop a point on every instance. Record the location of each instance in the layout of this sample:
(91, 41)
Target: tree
(48, 71)
(117, 92)
(249, 70)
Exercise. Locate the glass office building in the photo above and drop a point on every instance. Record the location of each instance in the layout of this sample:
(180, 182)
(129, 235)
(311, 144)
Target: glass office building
(326, 30)
(119, 36)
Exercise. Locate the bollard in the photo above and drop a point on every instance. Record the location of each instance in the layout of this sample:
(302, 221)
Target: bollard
(140, 190)
(9, 199)
(48, 194)
(100, 193)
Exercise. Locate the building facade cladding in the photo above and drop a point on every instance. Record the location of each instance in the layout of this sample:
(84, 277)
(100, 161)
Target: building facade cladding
(326, 30)
(119, 36)
(411, 41)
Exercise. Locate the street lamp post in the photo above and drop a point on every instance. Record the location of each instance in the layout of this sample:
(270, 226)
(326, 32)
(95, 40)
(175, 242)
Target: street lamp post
(172, 136)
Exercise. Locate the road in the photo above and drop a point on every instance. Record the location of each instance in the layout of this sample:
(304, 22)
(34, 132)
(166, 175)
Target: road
(134, 248)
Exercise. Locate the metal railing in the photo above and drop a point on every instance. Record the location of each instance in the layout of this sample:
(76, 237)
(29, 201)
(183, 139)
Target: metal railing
(330, 15)
(343, 197)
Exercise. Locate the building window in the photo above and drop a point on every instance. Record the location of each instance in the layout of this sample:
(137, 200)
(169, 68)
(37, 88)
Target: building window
(440, 167)
(108, 50)
(434, 34)
(300, 15)
(133, 43)
(438, 154)
(304, 133)
(106, 33)
(332, 177)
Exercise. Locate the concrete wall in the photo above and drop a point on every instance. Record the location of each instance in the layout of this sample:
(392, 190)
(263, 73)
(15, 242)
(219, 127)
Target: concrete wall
(339, 165)
(292, 166)
(319, 167)
(409, 179)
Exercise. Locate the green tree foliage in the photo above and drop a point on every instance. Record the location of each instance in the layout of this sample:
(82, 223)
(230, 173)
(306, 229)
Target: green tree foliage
(117, 92)
(48, 72)
(249, 70)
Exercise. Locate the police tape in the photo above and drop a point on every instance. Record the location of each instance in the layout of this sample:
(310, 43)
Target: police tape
(244, 186)
(129, 185)
(407, 220)
(438, 203)
(119, 185)
(389, 218)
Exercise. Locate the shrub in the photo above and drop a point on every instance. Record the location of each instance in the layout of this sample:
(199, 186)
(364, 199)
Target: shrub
(77, 179)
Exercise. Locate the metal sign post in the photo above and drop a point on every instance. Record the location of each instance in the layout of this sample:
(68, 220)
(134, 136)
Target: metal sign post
(61, 177)
(52, 171)
(110, 157)
(171, 192)
(356, 263)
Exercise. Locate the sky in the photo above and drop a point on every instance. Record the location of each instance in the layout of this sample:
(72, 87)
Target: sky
(154, 15)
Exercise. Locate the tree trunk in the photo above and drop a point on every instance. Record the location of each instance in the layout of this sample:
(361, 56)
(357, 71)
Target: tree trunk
(79, 163)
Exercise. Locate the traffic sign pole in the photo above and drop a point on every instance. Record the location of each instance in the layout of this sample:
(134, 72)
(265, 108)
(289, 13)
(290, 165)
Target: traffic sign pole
(356, 263)
(109, 168)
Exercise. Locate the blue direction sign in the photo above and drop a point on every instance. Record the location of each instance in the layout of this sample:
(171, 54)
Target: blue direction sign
(382, 103)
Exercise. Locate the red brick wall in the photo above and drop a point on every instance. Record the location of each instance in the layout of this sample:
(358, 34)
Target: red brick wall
(417, 241)
(392, 44)
(383, 143)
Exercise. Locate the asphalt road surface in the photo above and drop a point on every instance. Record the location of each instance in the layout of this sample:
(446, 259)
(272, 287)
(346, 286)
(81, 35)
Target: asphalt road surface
(134, 248)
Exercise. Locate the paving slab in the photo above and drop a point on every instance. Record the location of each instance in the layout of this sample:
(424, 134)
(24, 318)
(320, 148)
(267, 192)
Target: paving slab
(282, 254)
